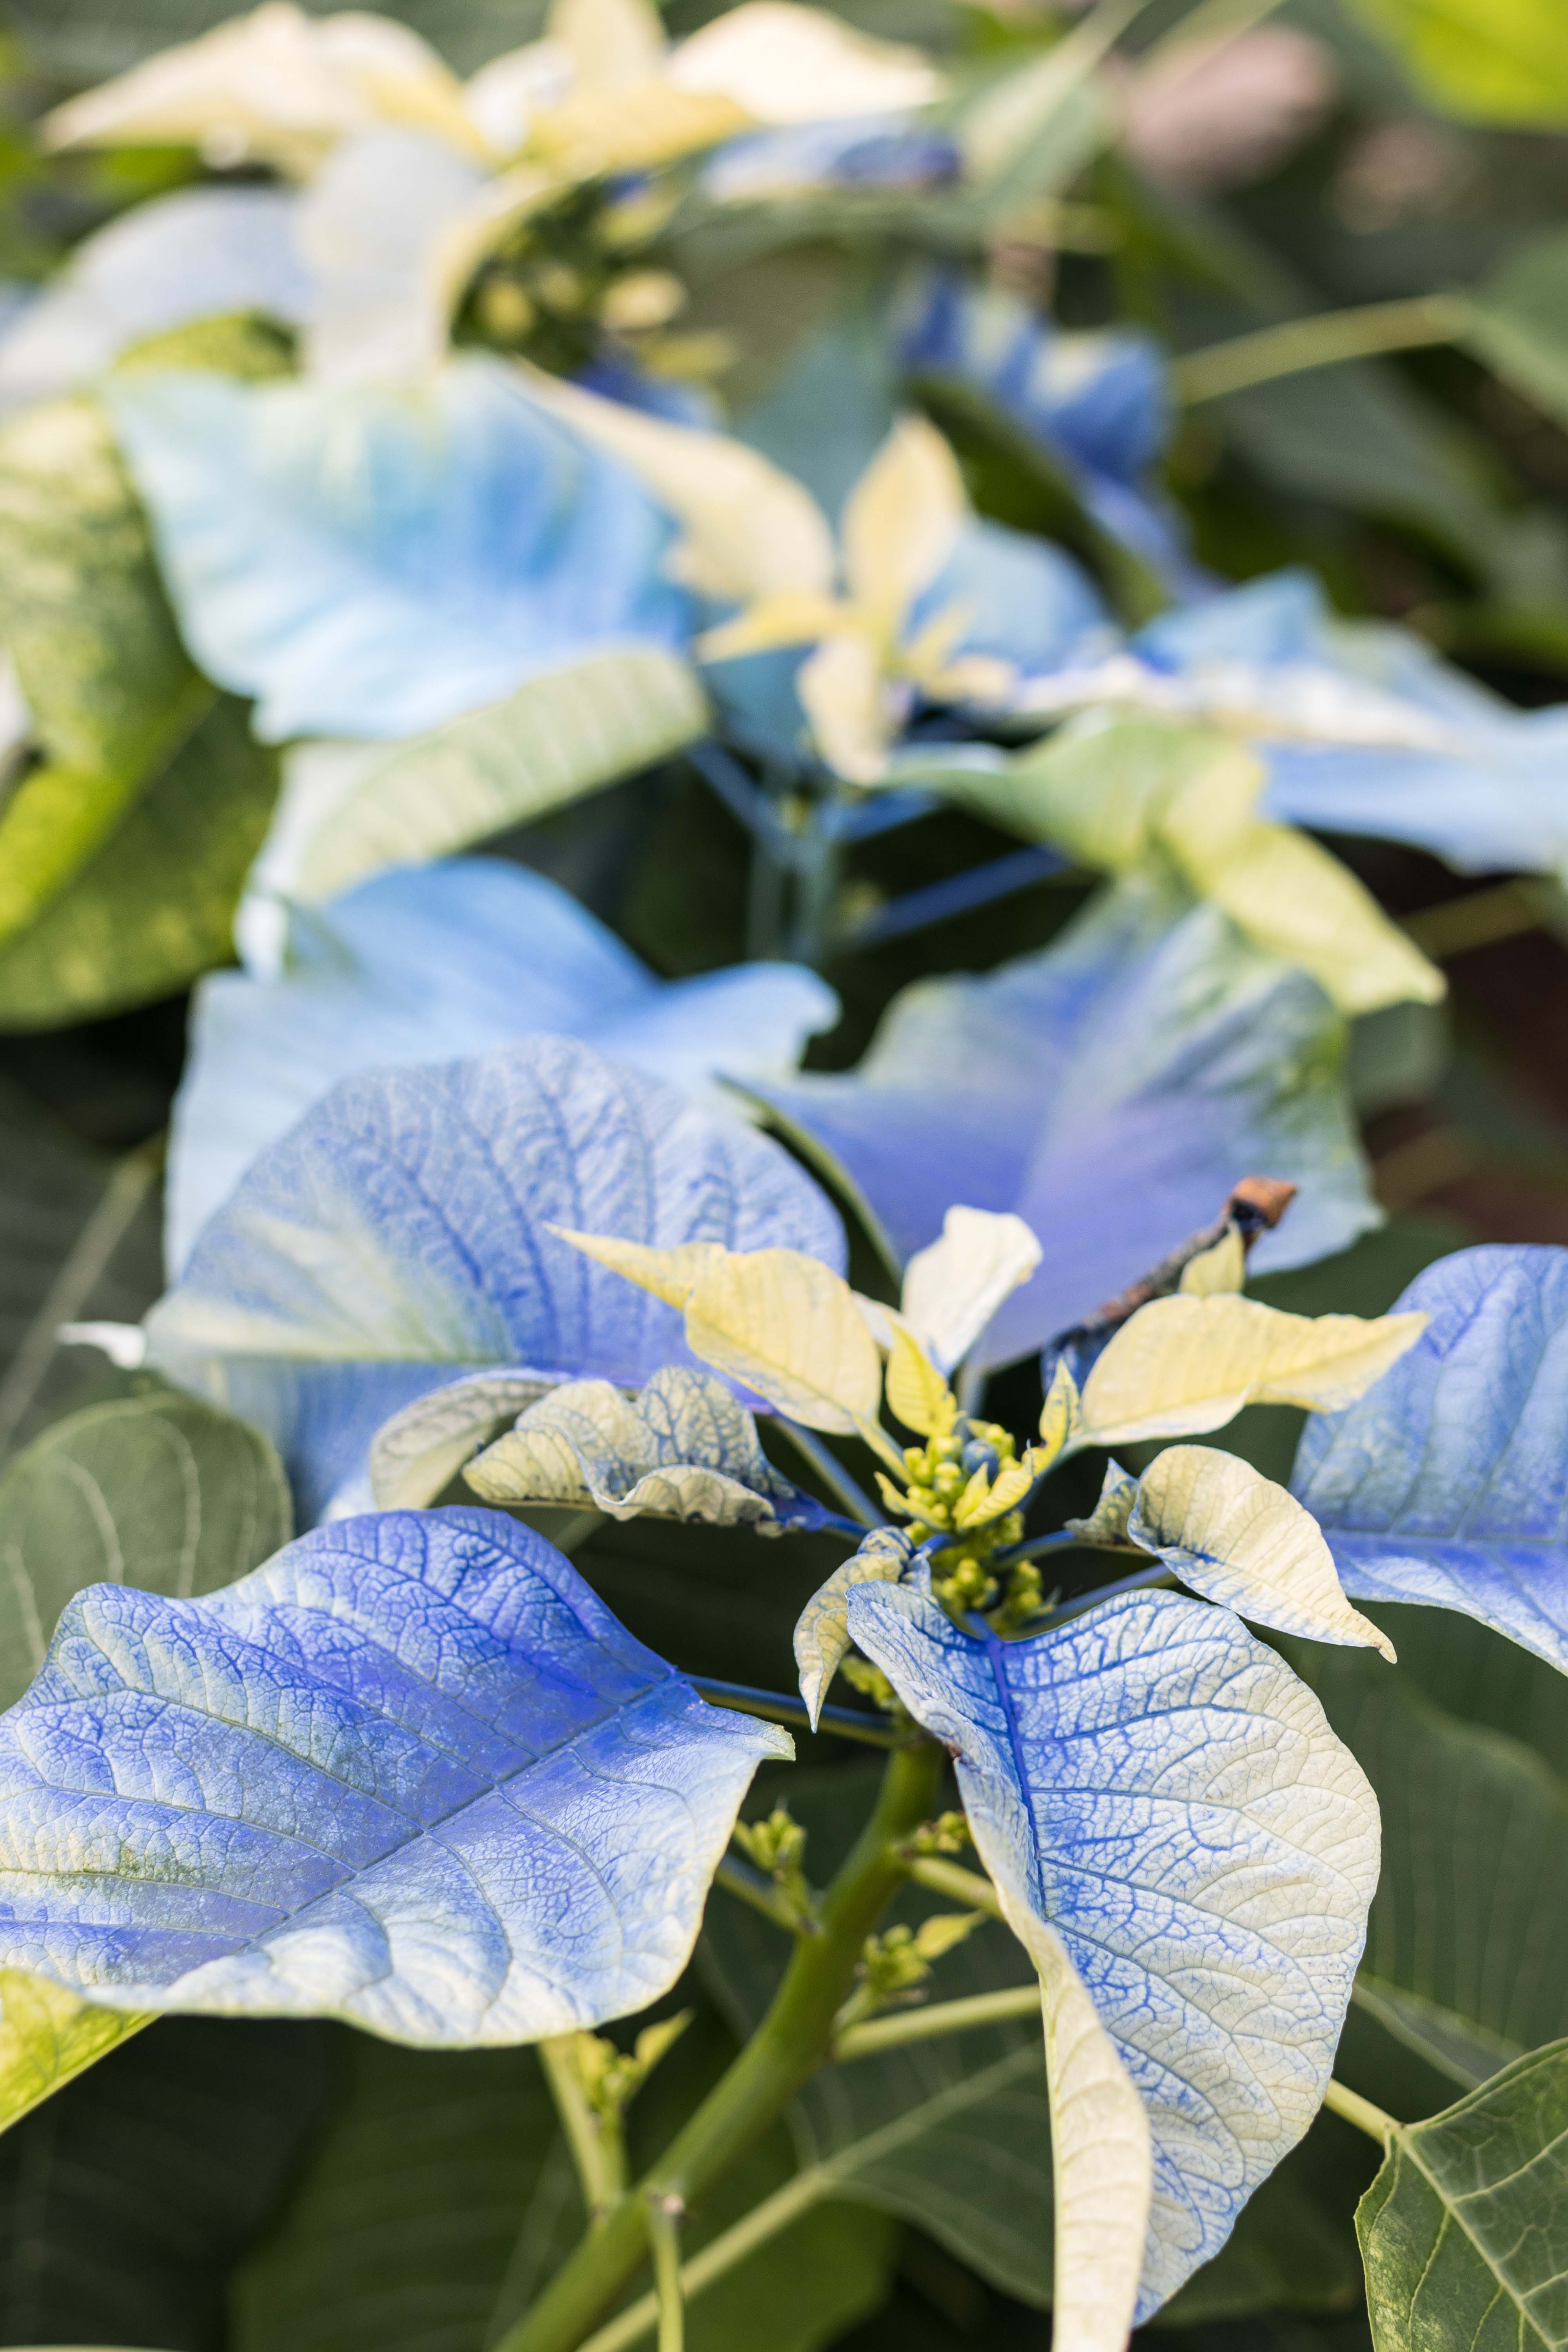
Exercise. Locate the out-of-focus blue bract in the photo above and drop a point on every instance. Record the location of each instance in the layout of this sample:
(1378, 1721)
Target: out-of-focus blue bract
(428, 962)
(1165, 1794)
(1448, 1484)
(397, 1237)
(1111, 1090)
(370, 559)
(411, 1773)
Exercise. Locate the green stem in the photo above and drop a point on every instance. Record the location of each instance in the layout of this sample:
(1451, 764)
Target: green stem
(778, 1707)
(1334, 336)
(792, 2042)
(966, 1886)
(1143, 1580)
(664, 2215)
(1207, 26)
(721, 2254)
(597, 2151)
(1354, 2109)
(737, 1878)
(905, 2025)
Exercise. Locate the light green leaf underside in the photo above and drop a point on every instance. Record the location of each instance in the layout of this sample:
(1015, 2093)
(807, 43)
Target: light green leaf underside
(1465, 1940)
(158, 1491)
(559, 736)
(424, 1446)
(47, 2036)
(822, 1634)
(1465, 2231)
(154, 905)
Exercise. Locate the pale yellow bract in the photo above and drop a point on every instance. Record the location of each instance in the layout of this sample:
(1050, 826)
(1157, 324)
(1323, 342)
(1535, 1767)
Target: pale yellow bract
(1184, 1365)
(1241, 1540)
(954, 1285)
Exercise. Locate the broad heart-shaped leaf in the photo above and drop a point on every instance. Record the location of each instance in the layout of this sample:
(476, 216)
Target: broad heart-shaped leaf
(1448, 1482)
(1185, 1364)
(1110, 1091)
(1465, 2231)
(371, 561)
(1162, 1795)
(1468, 1926)
(682, 1448)
(155, 903)
(1241, 1540)
(400, 1235)
(145, 2181)
(350, 810)
(410, 1773)
(1506, 64)
(434, 960)
(157, 1491)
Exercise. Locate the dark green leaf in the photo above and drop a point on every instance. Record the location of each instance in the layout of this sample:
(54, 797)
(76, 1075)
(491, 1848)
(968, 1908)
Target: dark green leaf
(1465, 2231)
(1519, 321)
(1470, 1919)
(79, 1239)
(158, 1490)
(139, 2187)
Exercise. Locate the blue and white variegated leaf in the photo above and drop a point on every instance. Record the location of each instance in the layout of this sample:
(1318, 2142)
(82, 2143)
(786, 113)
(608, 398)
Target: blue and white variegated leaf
(1111, 1090)
(426, 963)
(681, 1449)
(1448, 1484)
(196, 254)
(880, 153)
(822, 1633)
(369, 561)
(1166, 1797)
(399, 1236)
(1023, 601)
(1476, 782)
(410, 1772)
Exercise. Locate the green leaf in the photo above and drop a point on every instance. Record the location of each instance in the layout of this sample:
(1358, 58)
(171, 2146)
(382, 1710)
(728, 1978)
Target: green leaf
(1519, 318)
(85, 40)
(79, 1239)
(154, 905)
(1463, 1961)
(559, 736)
(440, 2176)
(143, 2182)
(1486, 60)
(159, 1491)
(1465, 2231)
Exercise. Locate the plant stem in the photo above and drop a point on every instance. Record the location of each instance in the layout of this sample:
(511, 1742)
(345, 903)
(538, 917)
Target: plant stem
(739, 1878)
(966, 1886)
(1207, 26)
(664, 2236)
(928, 2024)
(1322, 342)
(1064, 1540)
(832, 1473)
(599, 2155)
(778, 1707)
(1354, 2109)
(791, 2043)
(764, 2221)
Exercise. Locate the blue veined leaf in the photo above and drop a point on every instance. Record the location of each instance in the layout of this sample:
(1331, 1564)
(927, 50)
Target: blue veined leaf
(1482, 791)
(682, 1449)
(398, 1237)
(1111, 1090)
(1448, 1482)
(426, 963)
(371, 560)
(196, 254)
(880, 152)
(411, 1773)
(1166, 1795)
